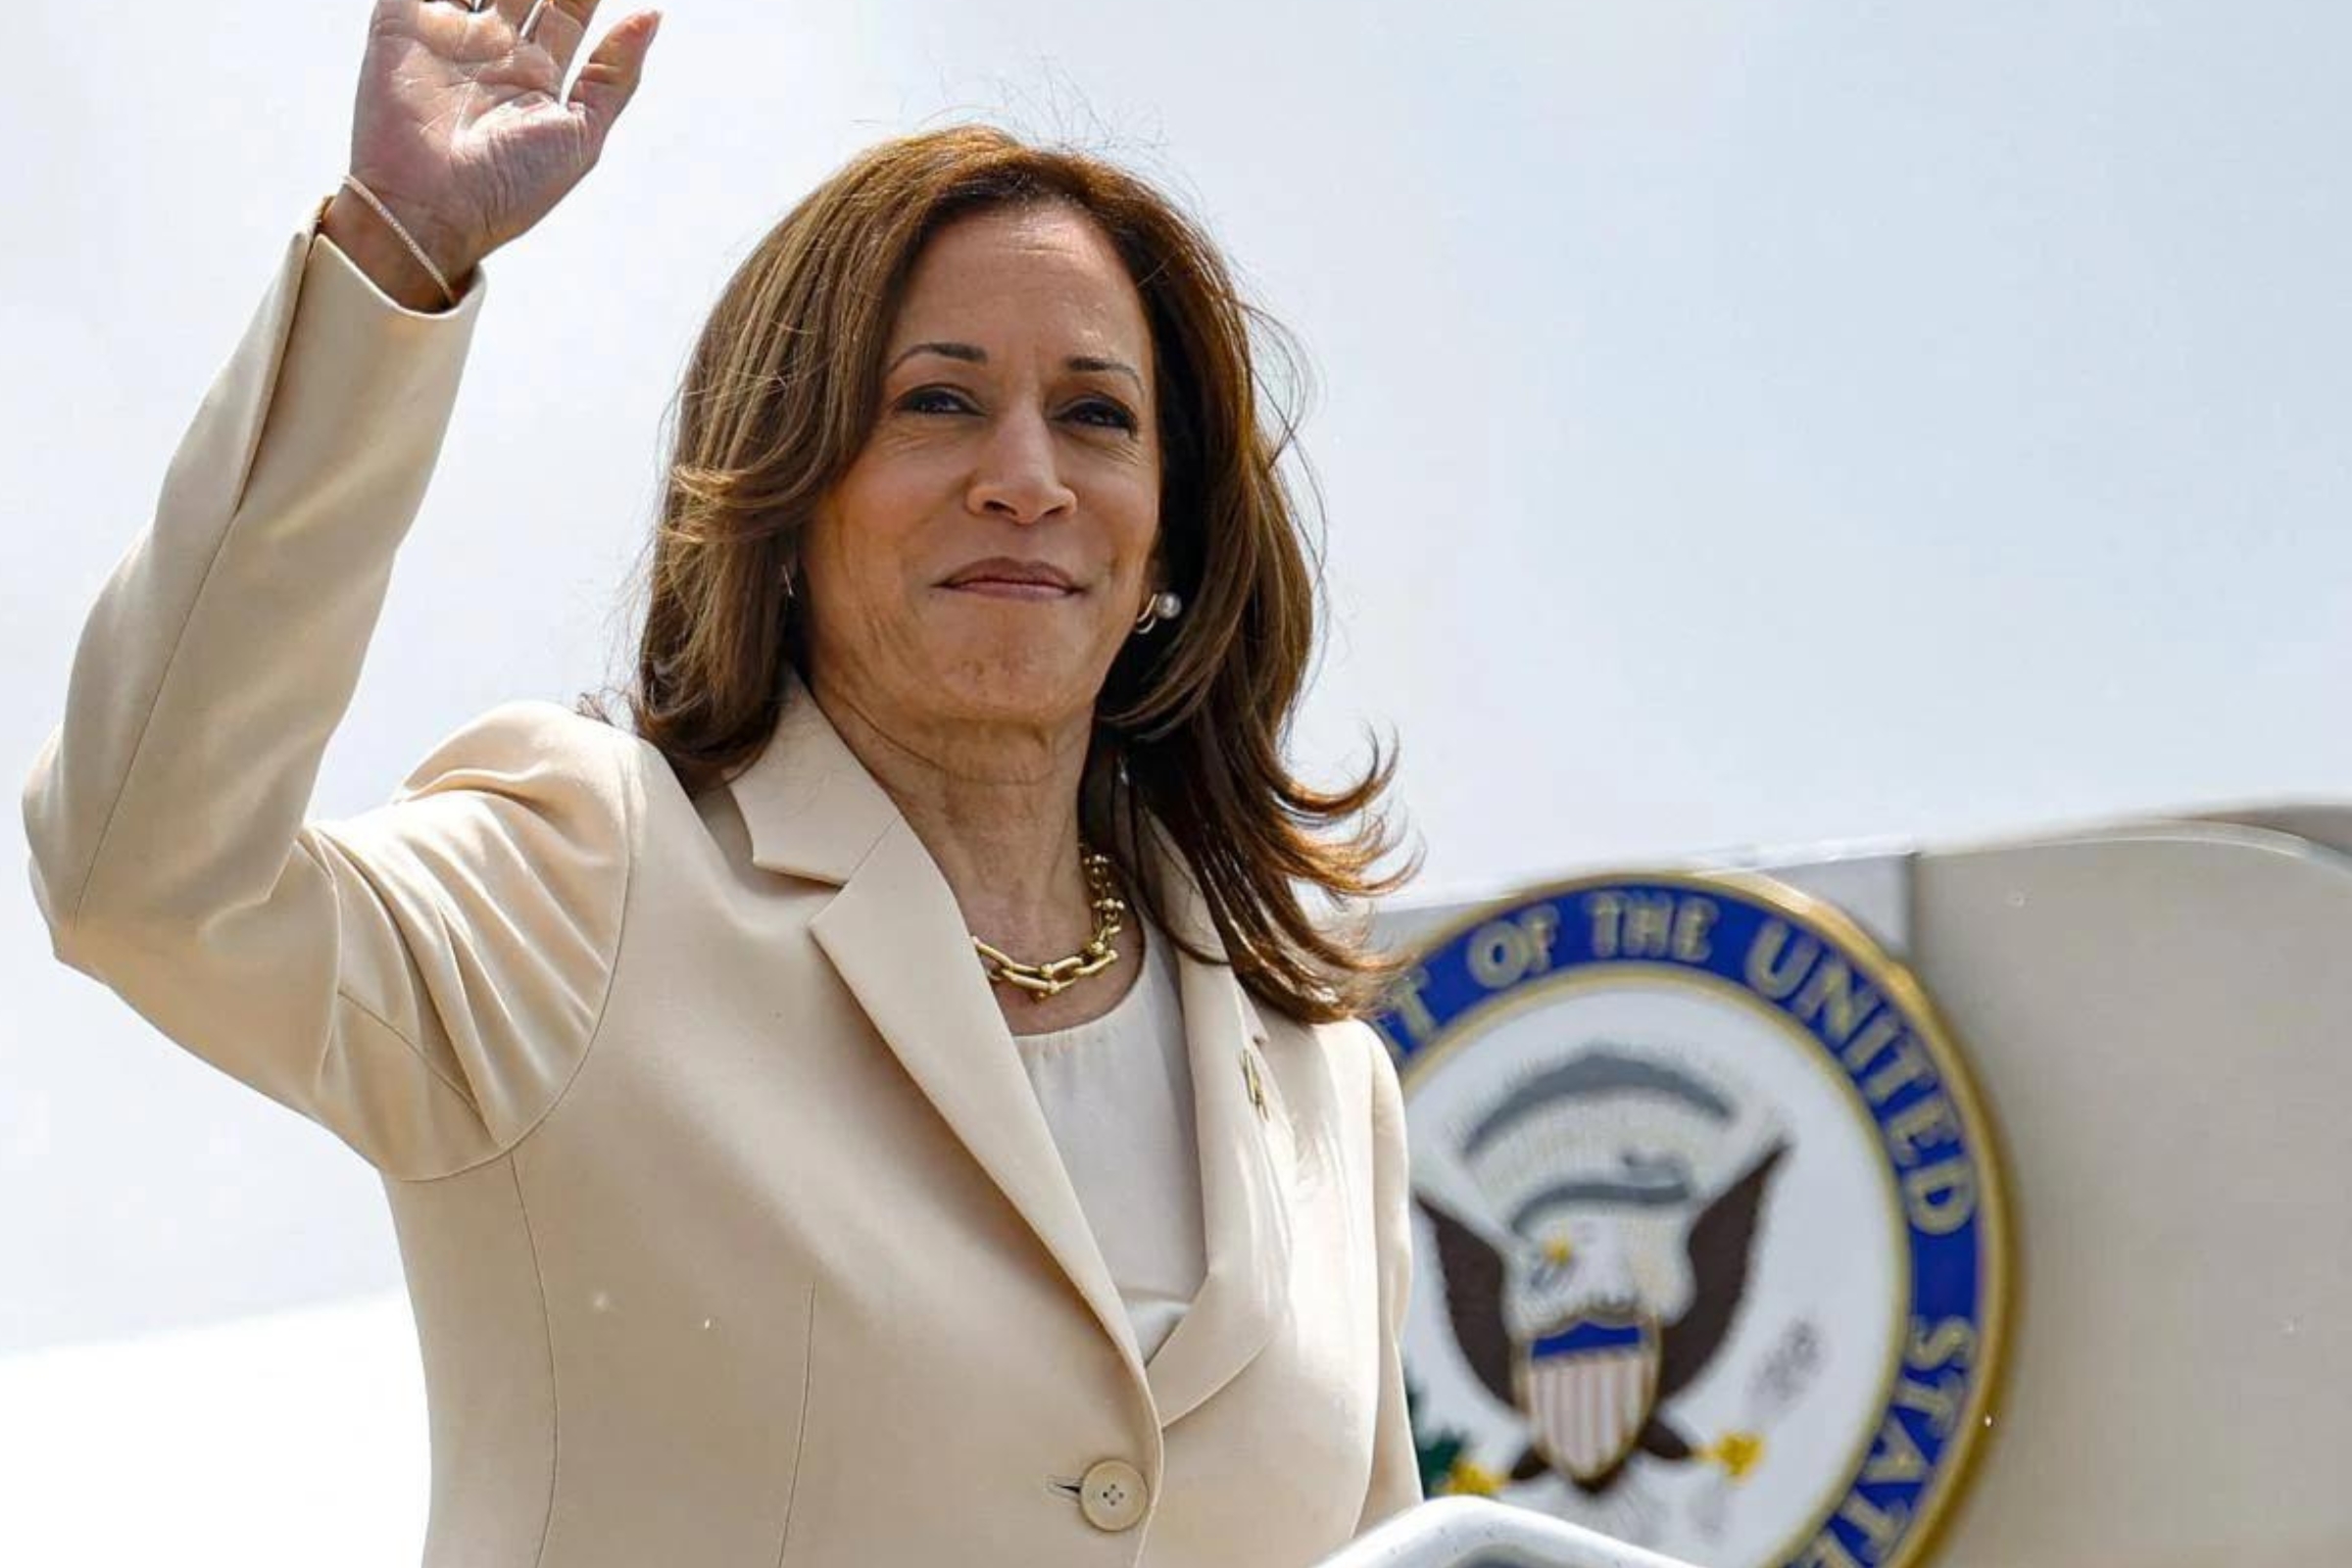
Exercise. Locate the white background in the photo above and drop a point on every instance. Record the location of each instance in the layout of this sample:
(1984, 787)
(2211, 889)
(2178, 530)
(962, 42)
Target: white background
(1735, 424)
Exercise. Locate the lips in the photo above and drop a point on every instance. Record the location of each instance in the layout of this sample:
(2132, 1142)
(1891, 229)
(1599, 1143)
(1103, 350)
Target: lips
(1003, 575)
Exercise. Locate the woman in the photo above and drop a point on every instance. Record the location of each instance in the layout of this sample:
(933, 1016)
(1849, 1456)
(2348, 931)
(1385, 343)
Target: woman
(760, 1203)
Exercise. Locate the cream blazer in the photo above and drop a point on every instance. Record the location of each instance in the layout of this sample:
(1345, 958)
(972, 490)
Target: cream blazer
(732, 1227)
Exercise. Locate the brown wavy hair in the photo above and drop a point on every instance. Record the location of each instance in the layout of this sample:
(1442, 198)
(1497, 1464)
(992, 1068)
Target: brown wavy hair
(776, 401)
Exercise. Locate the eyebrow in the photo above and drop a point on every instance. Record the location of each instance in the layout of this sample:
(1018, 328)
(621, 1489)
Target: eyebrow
(973, 353)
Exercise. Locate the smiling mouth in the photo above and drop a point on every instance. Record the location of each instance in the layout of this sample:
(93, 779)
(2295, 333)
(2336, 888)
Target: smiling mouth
(1011, 588)
(1012, 577)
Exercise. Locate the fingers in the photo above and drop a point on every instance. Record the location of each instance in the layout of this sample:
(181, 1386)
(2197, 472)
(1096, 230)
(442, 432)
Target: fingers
(540, 22)
(608, 81)
(455, 19)
(502, 22)
(557, 26)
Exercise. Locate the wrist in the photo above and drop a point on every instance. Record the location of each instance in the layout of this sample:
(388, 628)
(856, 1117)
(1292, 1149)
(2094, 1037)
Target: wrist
(375, 247)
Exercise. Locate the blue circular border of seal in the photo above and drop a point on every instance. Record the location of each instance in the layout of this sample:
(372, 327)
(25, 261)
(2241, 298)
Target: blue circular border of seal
(1902, 1490)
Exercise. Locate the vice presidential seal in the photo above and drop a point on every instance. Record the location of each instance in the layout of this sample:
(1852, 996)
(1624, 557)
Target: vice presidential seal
(1709, 1225)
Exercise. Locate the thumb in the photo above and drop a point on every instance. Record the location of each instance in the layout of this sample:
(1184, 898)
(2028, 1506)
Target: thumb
(608, 81)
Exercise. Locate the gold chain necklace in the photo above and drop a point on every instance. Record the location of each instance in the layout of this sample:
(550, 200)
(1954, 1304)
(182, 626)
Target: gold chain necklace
(1043, 980)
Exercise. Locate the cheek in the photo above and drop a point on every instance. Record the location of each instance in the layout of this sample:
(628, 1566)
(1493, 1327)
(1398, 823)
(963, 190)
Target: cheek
(1138, 535)
(863, 560)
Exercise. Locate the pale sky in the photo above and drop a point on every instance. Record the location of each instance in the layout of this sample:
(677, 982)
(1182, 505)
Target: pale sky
(1737, 425)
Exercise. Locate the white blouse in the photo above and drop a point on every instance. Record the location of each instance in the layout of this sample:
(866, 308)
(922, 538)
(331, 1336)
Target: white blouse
(1117, 1092)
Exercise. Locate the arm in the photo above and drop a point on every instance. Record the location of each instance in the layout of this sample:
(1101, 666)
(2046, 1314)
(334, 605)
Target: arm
(1395, 1482)
(422, 979)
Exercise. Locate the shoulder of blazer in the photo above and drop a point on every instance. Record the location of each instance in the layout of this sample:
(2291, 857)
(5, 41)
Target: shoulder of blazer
(601, 767)
(546, 805)
(529, 727)
(588, 776)
(1388, 1087)
(1383, 1085)
(1384, 1108)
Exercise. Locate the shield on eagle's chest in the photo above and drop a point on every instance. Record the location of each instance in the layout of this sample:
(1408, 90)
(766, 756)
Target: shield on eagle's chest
(1586, 1389)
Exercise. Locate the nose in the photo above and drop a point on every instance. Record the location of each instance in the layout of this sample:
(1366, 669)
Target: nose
(1017, 477)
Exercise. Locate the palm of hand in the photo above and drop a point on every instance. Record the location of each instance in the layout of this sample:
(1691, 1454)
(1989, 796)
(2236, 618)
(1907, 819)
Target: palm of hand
(461, 125)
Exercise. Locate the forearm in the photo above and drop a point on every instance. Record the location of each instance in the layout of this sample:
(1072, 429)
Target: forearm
(224, 649)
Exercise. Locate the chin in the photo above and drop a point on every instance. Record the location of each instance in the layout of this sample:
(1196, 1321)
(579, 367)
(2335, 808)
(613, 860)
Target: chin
(1020, 691)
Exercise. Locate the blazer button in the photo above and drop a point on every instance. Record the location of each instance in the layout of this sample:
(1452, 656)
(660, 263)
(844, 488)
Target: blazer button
(1112, 1496)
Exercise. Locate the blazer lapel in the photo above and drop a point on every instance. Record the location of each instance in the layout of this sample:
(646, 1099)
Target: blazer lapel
(897, 938)
(1247, 1173)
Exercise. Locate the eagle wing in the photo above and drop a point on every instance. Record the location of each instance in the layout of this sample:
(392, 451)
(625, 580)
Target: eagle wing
(1473, 1281)
(1722, 1240)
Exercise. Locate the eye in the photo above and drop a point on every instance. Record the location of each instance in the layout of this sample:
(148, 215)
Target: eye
(1120, 417)
(912, 401)
(926, 400)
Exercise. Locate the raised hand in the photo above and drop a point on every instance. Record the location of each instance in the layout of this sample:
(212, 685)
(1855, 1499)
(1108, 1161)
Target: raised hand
(462, 129)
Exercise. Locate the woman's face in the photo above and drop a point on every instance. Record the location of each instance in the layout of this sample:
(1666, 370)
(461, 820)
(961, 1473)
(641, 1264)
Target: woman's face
(988, 552)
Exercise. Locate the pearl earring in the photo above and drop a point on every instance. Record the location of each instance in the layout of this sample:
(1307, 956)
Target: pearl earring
(1165, 605)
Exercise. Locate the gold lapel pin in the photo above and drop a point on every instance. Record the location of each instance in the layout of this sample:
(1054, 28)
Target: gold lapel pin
(1257, 1090)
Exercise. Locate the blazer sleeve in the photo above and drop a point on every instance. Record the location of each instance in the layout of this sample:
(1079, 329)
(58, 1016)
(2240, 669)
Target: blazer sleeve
(421, 979)
(1395, 1483)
